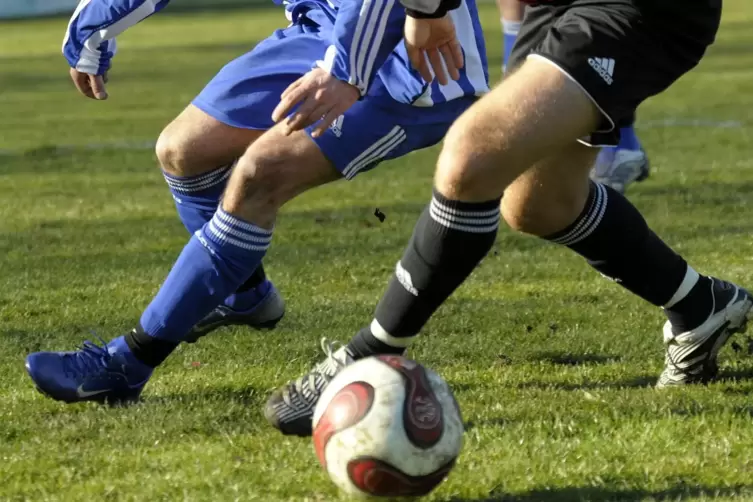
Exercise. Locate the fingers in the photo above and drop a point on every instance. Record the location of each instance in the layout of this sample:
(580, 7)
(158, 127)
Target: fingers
(292, 87)
(435, 59)
(97, 84)
(457, 54)
(309, 113)
(326, 121)
(418, 61)
(450, 61)
(290, 98)
(81, 81)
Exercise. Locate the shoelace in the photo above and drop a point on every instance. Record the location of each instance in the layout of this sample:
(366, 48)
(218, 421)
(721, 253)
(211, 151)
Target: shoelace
(324, 370)
(89, 359)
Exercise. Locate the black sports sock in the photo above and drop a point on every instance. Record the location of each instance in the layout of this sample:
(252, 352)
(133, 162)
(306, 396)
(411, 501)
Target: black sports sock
(693, 308)
(450, 239)
(148, 349)
(255, 280)
(615, 240)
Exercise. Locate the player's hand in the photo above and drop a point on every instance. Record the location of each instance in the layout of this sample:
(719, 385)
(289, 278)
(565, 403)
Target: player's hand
(91, 86)
(431, 41)
(322, 98)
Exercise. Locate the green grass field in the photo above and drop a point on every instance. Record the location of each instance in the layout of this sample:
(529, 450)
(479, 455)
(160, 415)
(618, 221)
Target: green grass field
(552, 364)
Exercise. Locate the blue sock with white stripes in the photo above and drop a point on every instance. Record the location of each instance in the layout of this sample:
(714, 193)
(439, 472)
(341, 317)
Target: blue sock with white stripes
(196, 197)
(450, 239)
(215, 262)
(615, 240)
(510, 30)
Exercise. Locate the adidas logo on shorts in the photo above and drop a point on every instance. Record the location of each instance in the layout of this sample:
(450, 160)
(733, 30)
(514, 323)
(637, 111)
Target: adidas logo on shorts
(337, 126)
(604, 67)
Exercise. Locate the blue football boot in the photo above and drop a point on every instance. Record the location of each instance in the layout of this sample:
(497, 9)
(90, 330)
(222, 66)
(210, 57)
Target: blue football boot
(105, 374)
(260, 308)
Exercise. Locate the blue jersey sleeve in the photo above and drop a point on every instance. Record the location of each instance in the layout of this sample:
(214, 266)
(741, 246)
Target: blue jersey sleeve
(365, 33)
(89, 42)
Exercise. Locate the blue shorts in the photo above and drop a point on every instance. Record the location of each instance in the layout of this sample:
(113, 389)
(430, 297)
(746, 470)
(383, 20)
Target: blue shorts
(376, 128)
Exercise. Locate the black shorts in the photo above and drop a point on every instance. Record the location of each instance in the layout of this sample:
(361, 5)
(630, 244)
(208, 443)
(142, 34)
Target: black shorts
(620, 52)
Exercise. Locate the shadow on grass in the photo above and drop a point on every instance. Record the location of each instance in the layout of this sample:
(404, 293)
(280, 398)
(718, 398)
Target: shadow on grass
(733, 376)
(606, 494)
(632, 383)
(567, 359)
(246, 396)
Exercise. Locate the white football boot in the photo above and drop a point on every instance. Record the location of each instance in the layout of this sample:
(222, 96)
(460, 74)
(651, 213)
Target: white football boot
(290, 409)
(617, 167)
(691, 356)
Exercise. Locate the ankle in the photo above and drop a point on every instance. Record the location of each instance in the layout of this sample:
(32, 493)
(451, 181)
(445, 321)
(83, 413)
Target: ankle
(145, 348)
(248, 299)
(692, 309)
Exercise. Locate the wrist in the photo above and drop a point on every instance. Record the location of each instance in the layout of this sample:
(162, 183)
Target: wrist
(91, 62)
(321, 65)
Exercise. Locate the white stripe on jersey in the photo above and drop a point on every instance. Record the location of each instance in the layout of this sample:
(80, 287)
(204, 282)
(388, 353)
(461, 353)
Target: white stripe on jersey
(367, 39)
(354, 44)
(112, 31)
(377, 40)
(474, 68)
(76, 12)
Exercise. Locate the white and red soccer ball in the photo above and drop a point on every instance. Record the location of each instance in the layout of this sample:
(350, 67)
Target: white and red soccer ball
(387, 427)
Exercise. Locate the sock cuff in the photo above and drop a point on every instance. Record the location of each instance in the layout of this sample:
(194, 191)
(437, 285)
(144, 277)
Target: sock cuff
(224, 228)
(194, 184)
(688, 282)
(511, 27)
(588, 220)
(383, 336)
(473, 217)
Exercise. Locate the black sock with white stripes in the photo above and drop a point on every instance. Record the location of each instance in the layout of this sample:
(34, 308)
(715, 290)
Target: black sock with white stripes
(450, 239)
(615, 240)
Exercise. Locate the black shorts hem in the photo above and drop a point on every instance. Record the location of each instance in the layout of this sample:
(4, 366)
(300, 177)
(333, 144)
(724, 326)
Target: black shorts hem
(561, 67)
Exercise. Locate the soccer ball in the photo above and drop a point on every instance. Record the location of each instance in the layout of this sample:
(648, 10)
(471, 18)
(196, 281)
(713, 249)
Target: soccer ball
(387, 427)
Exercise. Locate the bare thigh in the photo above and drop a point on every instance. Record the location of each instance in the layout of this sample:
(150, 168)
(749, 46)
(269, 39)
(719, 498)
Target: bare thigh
(537, 113)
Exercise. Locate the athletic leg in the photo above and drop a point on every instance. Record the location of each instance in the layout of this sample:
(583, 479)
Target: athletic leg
(520, 140)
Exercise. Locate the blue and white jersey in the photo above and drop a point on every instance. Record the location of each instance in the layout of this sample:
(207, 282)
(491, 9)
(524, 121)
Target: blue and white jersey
(89, 42)
(366, 41)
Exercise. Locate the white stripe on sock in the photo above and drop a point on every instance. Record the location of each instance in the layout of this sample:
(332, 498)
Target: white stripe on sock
(493, 216)
(590, 222)
(511, 27)
(223, 237)
(459, 212)
(241, 225)
(197, 183)
(381, 334)
(691, 279)
(249, 237)
(439, 218)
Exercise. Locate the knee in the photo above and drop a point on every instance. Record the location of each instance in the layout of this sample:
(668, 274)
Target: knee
(261, 180)
(173, 151)
(467, 168)
(536, 211)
